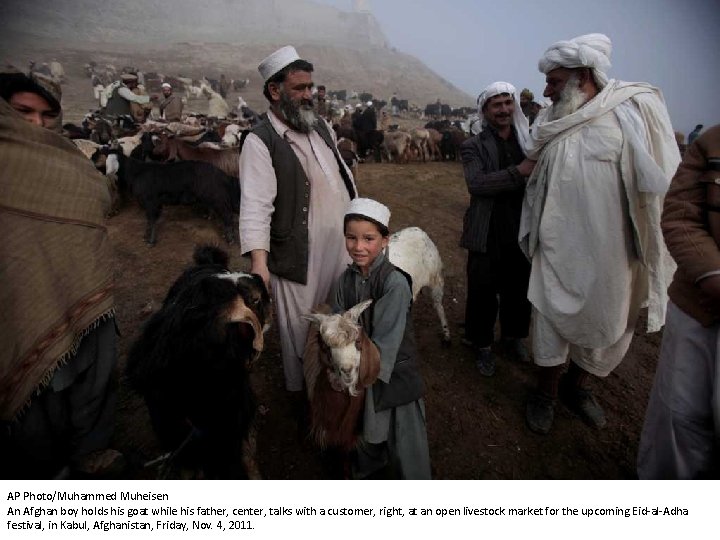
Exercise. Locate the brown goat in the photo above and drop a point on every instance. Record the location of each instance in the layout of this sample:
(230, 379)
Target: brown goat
(335, 380)
(170, 149)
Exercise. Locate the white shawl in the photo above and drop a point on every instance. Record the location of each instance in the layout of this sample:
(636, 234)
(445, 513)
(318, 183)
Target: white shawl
(652, 158)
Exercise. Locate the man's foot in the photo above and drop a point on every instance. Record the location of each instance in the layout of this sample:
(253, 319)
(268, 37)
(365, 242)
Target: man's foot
(515, 349)
(540, 413)
(485, 362)
(582, 402)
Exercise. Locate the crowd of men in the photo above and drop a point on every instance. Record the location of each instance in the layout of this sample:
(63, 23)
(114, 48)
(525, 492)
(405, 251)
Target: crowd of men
(564, 234)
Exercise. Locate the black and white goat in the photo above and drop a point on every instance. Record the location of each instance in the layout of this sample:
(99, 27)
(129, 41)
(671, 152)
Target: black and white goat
(190, 364)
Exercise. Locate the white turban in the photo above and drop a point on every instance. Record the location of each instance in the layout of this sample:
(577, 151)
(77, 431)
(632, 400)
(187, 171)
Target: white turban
(519, 121)
(588, 51)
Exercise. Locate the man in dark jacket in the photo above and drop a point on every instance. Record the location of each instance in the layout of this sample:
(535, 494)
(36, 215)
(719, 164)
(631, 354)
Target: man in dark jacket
(496, 170)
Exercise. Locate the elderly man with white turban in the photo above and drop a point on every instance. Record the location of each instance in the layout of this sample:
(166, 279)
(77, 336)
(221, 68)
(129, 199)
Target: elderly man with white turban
(496, 170)
(295, 188)
(605, 155)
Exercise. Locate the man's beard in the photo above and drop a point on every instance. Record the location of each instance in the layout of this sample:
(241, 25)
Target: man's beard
(299, 114)
(571, 99)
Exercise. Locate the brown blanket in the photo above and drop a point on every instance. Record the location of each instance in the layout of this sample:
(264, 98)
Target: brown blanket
(55, 256)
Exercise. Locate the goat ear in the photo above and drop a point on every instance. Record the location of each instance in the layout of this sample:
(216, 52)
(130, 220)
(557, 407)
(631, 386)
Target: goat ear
(354, 312)
(316, 318)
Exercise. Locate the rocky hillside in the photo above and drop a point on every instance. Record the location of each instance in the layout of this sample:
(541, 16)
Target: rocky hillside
(211, 37)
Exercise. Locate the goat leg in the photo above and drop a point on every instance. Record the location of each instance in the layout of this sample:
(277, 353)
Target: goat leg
(153, 214)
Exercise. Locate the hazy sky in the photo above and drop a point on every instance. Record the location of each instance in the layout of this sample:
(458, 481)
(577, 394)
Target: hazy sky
(672, 44)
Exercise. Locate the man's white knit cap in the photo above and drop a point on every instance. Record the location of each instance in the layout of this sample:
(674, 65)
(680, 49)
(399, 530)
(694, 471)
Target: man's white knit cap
(370, 208)
(590, 51)
(277, 60)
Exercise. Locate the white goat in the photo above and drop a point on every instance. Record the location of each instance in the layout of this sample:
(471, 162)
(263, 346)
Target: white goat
(339, 332)
(414, 252)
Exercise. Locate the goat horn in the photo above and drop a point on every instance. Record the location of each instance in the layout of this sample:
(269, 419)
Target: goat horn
(241, 313)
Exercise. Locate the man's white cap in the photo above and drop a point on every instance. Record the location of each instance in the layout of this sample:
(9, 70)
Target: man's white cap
(369, 104)
(370, 208)
(358, 105)
(277, 60)
(166, 85)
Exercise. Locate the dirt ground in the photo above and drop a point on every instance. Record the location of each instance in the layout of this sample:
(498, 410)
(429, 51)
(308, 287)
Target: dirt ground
(475, 425)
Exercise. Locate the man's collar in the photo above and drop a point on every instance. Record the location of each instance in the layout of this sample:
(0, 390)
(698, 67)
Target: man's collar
(277, 124)
(494, 132)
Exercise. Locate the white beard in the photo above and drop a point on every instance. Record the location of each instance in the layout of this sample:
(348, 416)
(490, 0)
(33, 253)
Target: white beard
(571, 99)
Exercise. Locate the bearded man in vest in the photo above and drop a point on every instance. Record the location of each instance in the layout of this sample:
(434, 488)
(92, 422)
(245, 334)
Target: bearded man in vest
(295, 188)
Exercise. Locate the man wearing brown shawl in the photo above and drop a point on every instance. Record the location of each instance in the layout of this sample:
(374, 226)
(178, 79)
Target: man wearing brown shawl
(57, 330)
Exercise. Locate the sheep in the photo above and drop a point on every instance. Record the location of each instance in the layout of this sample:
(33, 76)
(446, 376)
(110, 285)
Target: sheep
(337, 373)
(420, 141)
(413, 251)
(396, 146)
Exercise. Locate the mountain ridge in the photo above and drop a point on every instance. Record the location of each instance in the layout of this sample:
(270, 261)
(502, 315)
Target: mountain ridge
(349, 50)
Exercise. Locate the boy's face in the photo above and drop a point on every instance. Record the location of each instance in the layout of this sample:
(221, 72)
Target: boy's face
(363, 242)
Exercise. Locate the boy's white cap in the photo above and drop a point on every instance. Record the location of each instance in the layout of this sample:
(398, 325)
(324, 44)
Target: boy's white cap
(370, 208)
(277, 60)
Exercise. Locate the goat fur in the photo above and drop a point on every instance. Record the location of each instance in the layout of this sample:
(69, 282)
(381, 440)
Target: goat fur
(191, 360)
(337, 395)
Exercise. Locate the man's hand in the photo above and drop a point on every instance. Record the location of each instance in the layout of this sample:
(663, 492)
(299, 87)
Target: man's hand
(259, 266)
(526, 167)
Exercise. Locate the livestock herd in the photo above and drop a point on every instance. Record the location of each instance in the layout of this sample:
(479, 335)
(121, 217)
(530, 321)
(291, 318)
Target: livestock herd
(196, 161)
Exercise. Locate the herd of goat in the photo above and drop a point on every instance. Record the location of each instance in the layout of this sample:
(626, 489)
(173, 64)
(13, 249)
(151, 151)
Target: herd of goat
(216, 318)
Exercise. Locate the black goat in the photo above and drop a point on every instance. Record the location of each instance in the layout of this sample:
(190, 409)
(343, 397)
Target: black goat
(155, 185)
(190, 365)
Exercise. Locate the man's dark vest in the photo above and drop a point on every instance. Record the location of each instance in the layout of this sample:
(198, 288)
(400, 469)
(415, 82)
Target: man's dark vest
(406, 384)
(117, 105)
(288, 257)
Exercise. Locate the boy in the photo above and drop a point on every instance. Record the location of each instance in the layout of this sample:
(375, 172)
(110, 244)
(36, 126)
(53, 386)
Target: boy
(394, 439)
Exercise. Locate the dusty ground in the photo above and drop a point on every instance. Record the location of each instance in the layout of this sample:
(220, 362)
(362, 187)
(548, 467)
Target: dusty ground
(475, 425)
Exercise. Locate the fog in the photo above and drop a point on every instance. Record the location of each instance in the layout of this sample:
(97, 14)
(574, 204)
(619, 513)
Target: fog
(672, 44)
